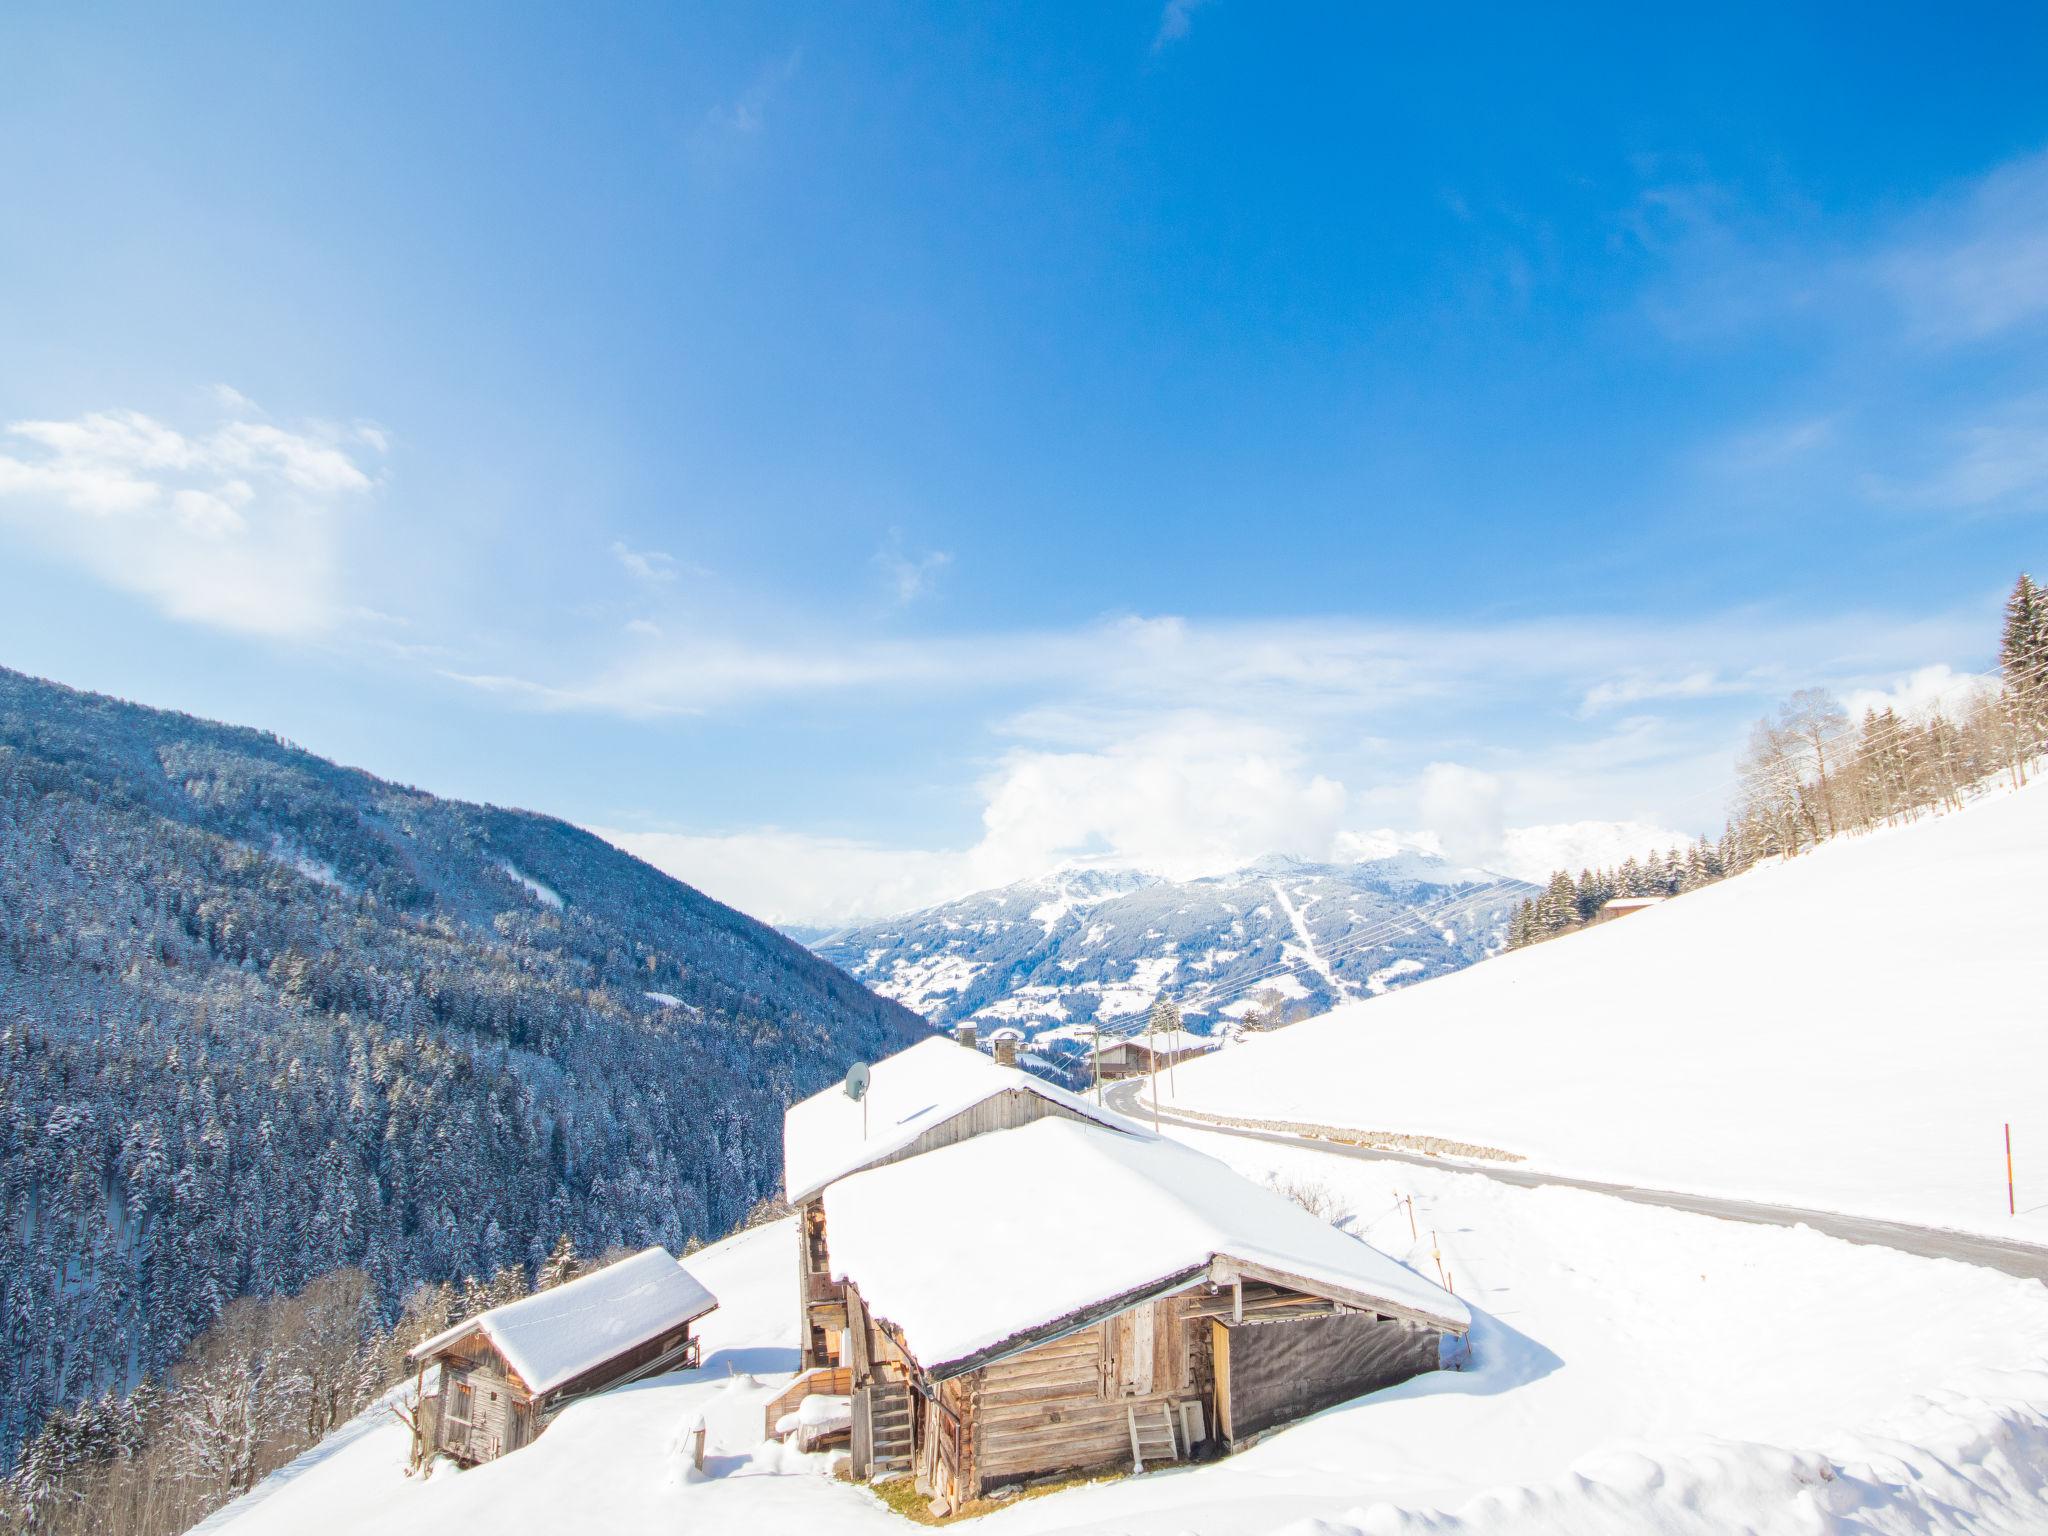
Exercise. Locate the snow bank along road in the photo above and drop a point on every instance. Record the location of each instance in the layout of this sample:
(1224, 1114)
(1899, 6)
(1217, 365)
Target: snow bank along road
(1636, 1372)
(1847, 1031)
(2027, 1260)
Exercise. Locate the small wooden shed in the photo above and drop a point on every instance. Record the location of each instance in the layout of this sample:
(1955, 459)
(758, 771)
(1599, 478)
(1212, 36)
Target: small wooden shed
(1625, 906)
(1149, 1305)
(499, 1377)
(932, 1095)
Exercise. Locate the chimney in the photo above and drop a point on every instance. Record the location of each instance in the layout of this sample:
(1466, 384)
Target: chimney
(1006, 1048)
(964, 1032)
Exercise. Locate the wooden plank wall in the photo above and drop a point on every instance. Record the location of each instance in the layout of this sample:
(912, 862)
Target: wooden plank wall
(1064, 1405)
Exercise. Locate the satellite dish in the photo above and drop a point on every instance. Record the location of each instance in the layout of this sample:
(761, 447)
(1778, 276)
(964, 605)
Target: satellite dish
(857, 1081)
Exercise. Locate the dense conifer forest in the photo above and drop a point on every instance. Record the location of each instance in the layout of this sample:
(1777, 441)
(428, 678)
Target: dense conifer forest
(265, 1020)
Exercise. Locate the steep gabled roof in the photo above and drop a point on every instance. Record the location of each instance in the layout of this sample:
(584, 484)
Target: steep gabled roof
(1051, 1221)
(554, 1336)
(825, 1137)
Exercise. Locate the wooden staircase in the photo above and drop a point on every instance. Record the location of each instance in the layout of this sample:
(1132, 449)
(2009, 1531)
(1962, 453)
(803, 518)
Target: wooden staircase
(1153, 1437)
(893, 1447)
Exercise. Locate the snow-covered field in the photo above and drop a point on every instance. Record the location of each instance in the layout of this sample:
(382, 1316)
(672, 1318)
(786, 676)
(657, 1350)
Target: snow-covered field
(1848, 1031)
(1636, 1370)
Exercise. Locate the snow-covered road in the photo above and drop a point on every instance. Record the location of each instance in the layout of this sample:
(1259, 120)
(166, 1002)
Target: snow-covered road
(2027, 1260)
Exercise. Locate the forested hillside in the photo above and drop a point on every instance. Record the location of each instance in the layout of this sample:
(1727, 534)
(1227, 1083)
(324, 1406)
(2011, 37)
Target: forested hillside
(262, 1017)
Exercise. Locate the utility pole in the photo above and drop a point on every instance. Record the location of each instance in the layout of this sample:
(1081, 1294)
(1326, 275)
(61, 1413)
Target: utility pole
(1098, 1061)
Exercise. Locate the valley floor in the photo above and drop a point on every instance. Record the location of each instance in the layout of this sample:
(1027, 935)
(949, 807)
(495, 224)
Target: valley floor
(1635, 1370)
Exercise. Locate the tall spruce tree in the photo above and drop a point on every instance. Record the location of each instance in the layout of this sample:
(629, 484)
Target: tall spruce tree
(2023, 648)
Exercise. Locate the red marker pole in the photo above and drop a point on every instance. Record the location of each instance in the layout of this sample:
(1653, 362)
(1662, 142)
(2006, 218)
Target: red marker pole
(2012, 1206)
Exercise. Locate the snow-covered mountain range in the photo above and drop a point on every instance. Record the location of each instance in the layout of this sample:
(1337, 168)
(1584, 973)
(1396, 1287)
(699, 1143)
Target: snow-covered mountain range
(1057, 956)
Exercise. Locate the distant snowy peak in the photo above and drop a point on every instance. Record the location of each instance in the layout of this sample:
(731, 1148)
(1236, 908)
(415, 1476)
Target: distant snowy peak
(1085, 946)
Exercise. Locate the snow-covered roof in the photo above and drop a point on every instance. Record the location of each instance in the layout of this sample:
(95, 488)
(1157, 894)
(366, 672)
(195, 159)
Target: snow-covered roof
(1163, 1041)
(556, 1335)
(825, 1137)
(1009, 1258)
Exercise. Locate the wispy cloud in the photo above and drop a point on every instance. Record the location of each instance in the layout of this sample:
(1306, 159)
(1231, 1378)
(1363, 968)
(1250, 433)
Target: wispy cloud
(909, 576)
(1328, 669)
(644, 564)
(1175, 21)
(233, 526)
(747, 113)
(1637, 687)
(1976, 264)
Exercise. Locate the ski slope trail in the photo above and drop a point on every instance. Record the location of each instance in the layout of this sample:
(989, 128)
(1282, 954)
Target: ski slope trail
(1848, 1032)
(2029, 1261)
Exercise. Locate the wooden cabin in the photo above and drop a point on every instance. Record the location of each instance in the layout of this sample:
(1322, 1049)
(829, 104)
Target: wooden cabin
(1058, 1299)
(932, 1095)
(1625, 906)
(500, 1377)
(1140, 1055)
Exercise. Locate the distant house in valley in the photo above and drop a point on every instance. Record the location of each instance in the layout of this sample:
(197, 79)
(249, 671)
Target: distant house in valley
(1141, 1054)
(502, 1375)
(932, 1095)
(1626, 906)
(1061, 1296)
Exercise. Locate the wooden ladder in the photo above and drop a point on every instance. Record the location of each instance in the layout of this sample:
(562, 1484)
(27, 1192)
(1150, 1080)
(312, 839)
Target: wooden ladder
(894, 1445)
(1154, 1440)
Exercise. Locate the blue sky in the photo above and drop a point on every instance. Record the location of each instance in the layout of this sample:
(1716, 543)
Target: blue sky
(857, 454)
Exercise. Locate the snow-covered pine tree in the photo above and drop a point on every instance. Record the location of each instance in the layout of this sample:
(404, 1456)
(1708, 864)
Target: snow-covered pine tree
(560, 1265)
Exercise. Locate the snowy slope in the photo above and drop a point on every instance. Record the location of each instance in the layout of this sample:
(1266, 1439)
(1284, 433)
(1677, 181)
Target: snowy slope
(1086, 945)
(1848, 1031)
(1636, 1371)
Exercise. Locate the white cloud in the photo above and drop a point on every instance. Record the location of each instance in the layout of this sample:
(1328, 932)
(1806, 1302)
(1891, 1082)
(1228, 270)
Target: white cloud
(234, 526)
(1097, 679)
(1976, 264)
(1461, 807)
(1533, 853)
(1190, 748)
(746, 115)
(1637, 686)
(2001, 464)
(1920, 693)
(909, 576)
(644, 564)
(1175, 21)
(1191, 796)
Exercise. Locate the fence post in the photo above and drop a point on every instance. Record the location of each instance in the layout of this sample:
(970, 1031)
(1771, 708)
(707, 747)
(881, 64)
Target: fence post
(2012, 1205)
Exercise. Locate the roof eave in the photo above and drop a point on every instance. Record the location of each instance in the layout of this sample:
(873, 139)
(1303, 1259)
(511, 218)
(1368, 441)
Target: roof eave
(1225, 1268)
(1065, 1324)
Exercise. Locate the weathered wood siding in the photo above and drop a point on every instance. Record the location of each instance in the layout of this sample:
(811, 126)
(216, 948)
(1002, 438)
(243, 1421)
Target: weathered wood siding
(1066, 1405)
(483, 1410)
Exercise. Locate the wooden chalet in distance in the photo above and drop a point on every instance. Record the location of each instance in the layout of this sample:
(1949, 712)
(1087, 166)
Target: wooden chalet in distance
(1624, 906)
(932, 1095)
(501, 1376)
(1140, 1055)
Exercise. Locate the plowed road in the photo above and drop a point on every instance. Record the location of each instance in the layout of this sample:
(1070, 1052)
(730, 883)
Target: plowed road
(2025, 1259)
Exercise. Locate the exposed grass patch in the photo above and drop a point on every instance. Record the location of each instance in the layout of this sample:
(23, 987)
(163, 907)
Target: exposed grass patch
(900, 1495)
